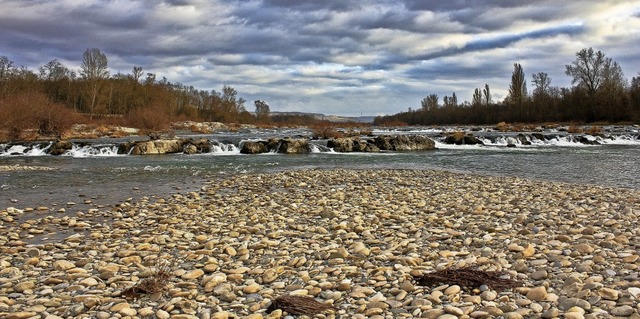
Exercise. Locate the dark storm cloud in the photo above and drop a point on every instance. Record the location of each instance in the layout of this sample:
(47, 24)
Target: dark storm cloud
(454, 5)
(325, 55)
(502, 41)
(331, 5)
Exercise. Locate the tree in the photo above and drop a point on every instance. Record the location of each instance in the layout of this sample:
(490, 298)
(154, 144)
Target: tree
(602, 80)
(136, 73)
(93, 70)
(6, 70)
(94, 64)
(477, 98)
(262, 110)
(518, 86)
(231, 103)
(591, 70)
(54, 71)
(487, 94)
(451, 101)
(6, 67)
(430, 102)
(542, 83)
(634, 97)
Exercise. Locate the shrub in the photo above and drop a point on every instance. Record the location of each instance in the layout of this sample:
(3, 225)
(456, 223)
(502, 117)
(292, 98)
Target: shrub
(502, 127)
(326, 132)
(594, 130)
(149, 119)
(574, 129)
(33, 115)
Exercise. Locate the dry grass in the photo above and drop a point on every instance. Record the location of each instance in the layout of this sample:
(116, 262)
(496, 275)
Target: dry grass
(502, 127)
(573, 129)
(325, 132)
(458, 135)
(594, 130)
(468, 277)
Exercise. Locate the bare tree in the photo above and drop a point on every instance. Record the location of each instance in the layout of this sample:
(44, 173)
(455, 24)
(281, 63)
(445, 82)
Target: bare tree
(450, 101)
(487, 94)
(93, 70)
(477, 97)
(6, 70)
(54, 70)
(518, 86)
(6, 66)
(137, 73)
(430, 102)
(592, 69)
(262, 110)
(542, 83)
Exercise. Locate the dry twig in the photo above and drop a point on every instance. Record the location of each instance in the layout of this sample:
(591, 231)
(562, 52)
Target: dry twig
(469, 277)
(299, 305)
(155, 283)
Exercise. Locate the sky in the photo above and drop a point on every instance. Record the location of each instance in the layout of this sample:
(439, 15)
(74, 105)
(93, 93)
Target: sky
(336, 57)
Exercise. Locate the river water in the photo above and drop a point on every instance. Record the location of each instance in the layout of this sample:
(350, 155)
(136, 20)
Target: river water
(94, 175)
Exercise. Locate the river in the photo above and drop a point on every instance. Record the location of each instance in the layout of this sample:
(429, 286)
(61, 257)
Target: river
(95, 175)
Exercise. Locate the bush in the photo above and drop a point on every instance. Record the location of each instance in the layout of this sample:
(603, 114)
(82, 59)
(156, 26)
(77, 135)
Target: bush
(594, 130)
(152, 119)
(326, 132)
(33, 115)
(574, 129)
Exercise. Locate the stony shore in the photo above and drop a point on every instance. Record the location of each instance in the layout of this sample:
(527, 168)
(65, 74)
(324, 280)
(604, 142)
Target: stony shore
(351, 238)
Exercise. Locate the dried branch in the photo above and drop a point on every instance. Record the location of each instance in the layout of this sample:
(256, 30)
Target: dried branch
(299, 305)
(155, 283)
(468, 277)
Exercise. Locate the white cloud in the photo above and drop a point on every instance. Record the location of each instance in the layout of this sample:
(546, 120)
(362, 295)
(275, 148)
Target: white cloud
(333, 57)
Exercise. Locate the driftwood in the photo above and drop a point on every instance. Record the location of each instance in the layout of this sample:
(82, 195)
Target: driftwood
(468, 277)
(155, 283)
(299, 305)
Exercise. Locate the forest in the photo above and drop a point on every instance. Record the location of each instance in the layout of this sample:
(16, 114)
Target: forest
(55, 97)
(600, 94)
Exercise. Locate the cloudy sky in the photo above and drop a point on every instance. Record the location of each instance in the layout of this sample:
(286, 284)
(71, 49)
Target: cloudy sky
(369, 57)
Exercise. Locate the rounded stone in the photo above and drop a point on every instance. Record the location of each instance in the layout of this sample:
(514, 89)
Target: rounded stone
(622, 311)
(537, 294)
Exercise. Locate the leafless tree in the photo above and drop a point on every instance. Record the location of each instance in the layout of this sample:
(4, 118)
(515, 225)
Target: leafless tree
(93, 70)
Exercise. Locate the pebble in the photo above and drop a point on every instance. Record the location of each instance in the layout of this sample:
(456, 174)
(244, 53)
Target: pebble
(537, 294)
(622, 311)
(241, 241)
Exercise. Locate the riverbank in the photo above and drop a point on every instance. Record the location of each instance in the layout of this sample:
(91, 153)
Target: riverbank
(352, 238)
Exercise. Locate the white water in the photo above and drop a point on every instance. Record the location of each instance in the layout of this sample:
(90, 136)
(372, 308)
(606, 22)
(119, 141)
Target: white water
(225, 149)
(90, 151)
(22, 150)
(491, 139)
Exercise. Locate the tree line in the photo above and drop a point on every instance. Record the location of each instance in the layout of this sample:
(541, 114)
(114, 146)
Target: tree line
(53, 97)
(599, 93)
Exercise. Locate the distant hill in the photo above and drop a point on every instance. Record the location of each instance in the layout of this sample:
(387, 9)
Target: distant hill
(331, 118)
